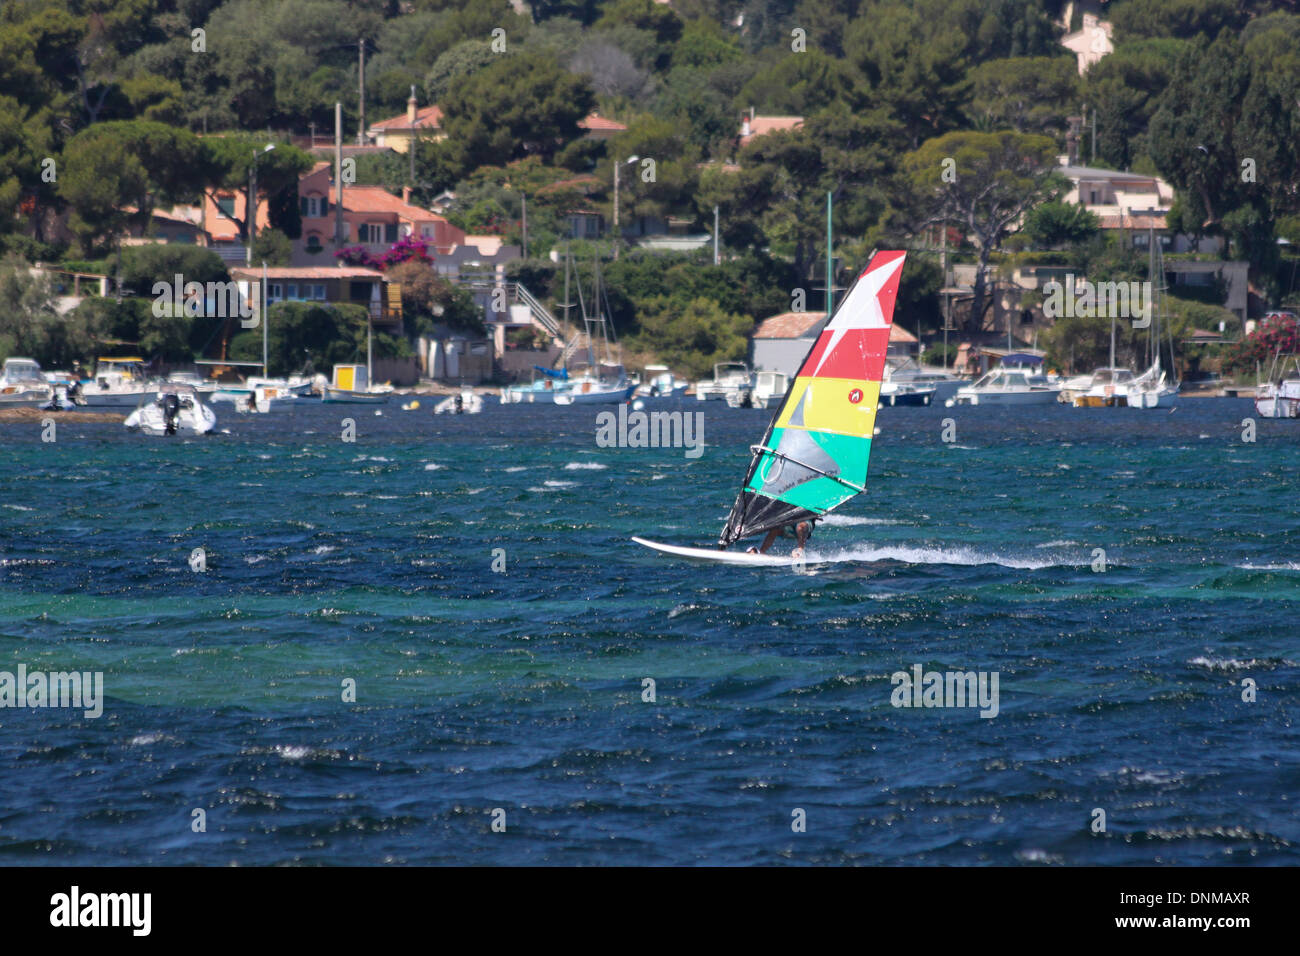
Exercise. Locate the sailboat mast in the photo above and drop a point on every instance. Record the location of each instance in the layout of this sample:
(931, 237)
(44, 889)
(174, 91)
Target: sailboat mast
(263, 314)
(830, 284)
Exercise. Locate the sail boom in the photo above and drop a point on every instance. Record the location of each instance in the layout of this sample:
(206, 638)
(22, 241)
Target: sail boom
(757, 449)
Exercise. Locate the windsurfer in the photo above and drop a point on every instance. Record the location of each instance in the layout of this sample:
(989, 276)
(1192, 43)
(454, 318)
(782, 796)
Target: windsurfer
(801, 531)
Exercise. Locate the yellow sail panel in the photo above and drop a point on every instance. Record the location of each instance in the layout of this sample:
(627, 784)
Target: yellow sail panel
(842, 405)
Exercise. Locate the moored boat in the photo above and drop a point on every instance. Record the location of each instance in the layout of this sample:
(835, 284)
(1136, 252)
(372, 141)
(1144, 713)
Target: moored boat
(1008, 386)
(172, 410)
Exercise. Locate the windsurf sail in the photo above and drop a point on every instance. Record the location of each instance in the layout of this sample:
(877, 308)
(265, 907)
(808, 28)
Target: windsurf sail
(814, 455)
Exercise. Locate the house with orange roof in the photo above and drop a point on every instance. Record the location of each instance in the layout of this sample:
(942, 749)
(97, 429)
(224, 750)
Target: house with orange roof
(372, 218)
(752, 125)
(397, 132)
(599, 127)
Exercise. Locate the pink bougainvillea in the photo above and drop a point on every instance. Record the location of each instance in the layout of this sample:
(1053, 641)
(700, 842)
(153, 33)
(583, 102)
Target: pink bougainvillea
(406, 249)
(1281, 332)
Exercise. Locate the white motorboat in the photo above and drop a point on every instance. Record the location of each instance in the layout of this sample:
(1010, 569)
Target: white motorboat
(201, 385)
(1108, 388)
(1008, 386)
(1279, 396)
(726, 376)
(907, 372)
(464, 402)
(764, 390)
(658, 382)
(118, 383)
(22, 384)
(172, 410)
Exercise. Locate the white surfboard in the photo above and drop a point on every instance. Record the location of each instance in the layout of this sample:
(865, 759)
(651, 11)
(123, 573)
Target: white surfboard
(718, 557)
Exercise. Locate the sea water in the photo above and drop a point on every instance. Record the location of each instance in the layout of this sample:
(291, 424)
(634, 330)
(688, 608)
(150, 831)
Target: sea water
(436, 644)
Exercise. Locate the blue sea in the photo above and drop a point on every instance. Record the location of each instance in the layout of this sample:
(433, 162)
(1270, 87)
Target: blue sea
(531, 687)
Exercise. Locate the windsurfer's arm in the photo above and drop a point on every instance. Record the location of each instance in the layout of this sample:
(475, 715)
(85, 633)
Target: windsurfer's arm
(769, 540)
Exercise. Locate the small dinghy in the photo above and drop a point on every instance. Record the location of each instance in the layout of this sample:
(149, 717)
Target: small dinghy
(175, 410)
(464, 402)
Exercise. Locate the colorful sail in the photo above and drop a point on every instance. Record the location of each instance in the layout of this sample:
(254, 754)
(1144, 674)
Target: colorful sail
(814, 455)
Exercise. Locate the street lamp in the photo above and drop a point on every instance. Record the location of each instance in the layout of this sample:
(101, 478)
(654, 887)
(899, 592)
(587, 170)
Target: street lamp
(250, 213)
(630, 160)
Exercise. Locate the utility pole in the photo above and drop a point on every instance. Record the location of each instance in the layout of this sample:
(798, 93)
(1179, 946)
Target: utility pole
(250, 211)
(361, 96)
(523, 198)
(339, 235)
(716, 259)
(830, 284)
(262, 316)
(616, 165)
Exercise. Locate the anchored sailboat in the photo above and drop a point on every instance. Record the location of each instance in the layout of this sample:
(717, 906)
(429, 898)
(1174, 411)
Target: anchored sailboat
(814, 455)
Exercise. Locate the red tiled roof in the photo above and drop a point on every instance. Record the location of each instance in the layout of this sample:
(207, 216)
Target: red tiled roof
(596, 121)
(308, 272)
(794, 325)
(788, 325)
(365, 199)
(430, 117)
(759, 125)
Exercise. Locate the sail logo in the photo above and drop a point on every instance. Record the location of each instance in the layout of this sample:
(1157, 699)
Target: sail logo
(206, 300)
(638, 429)
(855, 396)
(84, 691)
(946, 689)
(1112, 300)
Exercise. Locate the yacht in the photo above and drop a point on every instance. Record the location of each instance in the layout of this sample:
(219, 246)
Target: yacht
(1107, 388)
(117, 383)
(726, 376)
(1006, 385)
(764, 390)
(22, 384)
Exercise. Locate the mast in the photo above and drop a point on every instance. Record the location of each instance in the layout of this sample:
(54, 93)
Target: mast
(830, 284)
(263, 313)
(370, 327)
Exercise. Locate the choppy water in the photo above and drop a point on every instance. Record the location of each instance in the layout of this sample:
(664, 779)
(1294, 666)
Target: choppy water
(372, 561)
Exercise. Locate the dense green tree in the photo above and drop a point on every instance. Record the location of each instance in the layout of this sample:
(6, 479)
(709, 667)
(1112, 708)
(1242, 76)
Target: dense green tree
(983, 184)
(519, 106)
(1026, 94)
(694, 337)
(1054, 224)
